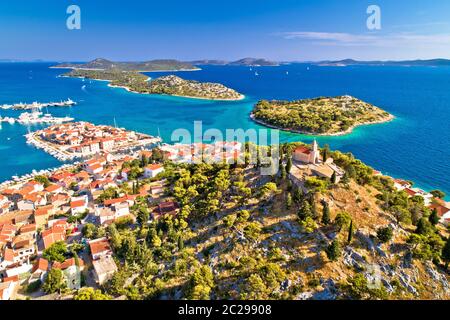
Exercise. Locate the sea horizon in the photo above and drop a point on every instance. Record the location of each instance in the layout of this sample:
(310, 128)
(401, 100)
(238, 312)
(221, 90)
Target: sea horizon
(387, 147)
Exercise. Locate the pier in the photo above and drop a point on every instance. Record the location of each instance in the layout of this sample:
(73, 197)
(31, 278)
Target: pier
(37, 105)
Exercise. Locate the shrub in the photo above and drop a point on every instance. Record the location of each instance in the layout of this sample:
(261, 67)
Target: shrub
(384, 234)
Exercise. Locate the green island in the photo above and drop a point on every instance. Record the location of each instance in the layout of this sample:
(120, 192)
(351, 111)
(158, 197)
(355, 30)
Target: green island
(319, 116)
(168, 85)
(144, 66)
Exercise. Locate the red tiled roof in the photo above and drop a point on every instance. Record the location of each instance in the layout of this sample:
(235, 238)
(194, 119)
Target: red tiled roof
(153, 166)
(49, 237)
(77, 204)
(68, 263)
(8, 255)
(28, 228)
(303, 149)
(41, 265)
(99, 245)
(52, 188)
(410, 192)
(441, 210)
(42, 211)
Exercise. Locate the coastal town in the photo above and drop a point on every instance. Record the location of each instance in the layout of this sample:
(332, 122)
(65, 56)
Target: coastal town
(52, 226)
(82, 139)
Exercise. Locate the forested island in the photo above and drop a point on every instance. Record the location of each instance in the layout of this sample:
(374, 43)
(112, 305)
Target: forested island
(144, 66)
(248, 62)
(169, 85)
(319, 116)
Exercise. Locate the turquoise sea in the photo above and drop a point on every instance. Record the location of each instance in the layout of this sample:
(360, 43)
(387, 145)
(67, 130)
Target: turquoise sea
(415, 146)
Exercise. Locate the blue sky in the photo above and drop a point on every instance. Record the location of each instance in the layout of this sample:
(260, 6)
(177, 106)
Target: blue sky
(229, 29)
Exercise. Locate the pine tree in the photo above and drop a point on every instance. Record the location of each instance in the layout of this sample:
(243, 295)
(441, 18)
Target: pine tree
(298, 195)
(305, 210)
(434, 217)
(333, 251)
(350, 232)
(326, 219)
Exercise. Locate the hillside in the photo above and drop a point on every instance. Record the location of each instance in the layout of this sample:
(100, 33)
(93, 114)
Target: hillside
(248, 236)
(320, 116)
(228, 232)
(253, 62)
(145, 66)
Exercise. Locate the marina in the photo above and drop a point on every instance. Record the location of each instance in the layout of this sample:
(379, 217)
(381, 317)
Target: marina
(35, 117)
(37, 105)
(86, 140)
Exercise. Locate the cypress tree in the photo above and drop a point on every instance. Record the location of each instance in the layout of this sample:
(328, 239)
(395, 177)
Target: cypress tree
(326, 219)
(325, 152)
(283, 172)
(180, 243)
(350, 232)
(288, 201)
(289, 164)
(333, 178)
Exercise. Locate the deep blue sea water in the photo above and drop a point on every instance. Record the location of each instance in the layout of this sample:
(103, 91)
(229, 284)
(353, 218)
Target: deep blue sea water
(415, 146)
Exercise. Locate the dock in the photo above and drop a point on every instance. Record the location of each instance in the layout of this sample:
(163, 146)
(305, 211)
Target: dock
(38, 105)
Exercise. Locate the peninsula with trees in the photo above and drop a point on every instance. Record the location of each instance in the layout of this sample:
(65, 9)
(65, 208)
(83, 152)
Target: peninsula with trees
(168, 85)
(319, 116)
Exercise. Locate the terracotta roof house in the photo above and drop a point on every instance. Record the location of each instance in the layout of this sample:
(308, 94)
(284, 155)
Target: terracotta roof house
(166, 208)
(99, 248)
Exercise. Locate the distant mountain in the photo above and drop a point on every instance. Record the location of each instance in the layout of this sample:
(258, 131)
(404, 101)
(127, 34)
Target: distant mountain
(145, 66)
(242, 62)
(350, 62)
(253, 62)
(209, 62)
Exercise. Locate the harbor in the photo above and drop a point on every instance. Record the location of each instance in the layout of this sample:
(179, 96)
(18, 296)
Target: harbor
(86, 140)
(37, 105)
(35, 117)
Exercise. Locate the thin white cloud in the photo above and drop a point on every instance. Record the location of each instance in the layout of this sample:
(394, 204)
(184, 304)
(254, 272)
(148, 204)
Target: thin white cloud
(369, 39)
